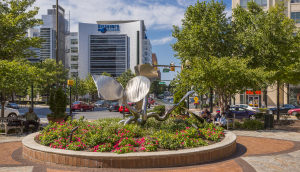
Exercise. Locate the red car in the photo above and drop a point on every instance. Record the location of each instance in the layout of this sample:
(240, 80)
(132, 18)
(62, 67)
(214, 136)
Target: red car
(151, 101)
(121, 109)
(82, 106)
(130, 103)
(293, 111)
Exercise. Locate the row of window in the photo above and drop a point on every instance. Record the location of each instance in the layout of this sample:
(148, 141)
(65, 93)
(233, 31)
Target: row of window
(262, 3)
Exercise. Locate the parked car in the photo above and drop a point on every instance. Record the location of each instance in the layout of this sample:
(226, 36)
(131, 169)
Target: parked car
(13, 105)
(113, 106)
(241, 113)
(130, 103)
(284, 108)
(101, 103)
(121, 109)
(82, 106)
(9, 112)
(247, 107)
(151, 100)
(293, 111)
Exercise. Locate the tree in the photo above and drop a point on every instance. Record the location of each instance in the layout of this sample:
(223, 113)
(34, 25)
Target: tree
(106, 74)
(157, 88)
(82, 88)
(58, 103)
(15, 19)
(125, 77)
(267, 39)
(15, 77)
(90, 84)
(177, 97)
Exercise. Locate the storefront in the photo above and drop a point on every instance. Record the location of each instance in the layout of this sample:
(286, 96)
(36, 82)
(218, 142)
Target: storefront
(251, 98)
(295, 96)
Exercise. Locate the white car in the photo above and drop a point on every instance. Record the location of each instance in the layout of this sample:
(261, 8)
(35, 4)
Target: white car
(247, 107)
(8, 112)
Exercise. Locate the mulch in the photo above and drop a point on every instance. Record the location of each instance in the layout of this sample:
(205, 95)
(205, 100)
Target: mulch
(287, 125)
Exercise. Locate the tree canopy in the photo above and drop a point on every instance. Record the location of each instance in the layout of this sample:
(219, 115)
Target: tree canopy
(15, 20)
(125, 77)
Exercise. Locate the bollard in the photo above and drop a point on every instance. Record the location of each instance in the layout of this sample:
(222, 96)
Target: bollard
(71, 134)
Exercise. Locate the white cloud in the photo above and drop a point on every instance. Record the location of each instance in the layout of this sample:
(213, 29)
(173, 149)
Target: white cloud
(156, 15)
(186, 3)
(162, 41)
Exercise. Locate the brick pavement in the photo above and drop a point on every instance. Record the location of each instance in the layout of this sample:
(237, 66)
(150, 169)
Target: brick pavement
(253, 154)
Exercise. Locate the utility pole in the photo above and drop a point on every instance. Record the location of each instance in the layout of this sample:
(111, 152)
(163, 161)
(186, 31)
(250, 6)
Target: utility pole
(57, 38)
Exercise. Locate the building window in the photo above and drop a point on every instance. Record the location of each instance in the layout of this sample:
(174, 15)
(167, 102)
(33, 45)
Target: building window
(295, 1)
(146, 53)
(262, 3)
(74, 49)
(295, 16)
(74, 66)
(74, 58)
(74, 41)
(74, 74)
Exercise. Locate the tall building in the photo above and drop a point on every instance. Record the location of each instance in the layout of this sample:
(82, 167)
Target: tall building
(154, 59)
(108, 46)
(269, 96)
(48, 32)
(34, 33)
(72, 53)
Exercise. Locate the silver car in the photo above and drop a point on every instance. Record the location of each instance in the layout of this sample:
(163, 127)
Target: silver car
(255, 109)
(101, 103)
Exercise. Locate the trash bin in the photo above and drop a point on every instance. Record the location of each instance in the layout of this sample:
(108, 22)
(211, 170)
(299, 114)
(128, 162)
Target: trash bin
(269, 120)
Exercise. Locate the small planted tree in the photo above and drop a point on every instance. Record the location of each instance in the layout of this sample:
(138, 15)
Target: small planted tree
(177, 97)
(58, 104)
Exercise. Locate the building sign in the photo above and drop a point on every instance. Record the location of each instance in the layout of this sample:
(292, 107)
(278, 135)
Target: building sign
(251, 92)
(108, 28)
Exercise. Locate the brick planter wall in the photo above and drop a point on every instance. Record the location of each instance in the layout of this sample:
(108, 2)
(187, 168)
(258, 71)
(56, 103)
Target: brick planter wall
(42, 154)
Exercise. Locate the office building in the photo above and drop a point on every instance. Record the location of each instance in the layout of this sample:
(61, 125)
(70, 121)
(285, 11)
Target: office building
(108, 46)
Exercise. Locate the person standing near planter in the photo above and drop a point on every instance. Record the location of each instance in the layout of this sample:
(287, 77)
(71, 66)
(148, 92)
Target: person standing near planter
(31, 118)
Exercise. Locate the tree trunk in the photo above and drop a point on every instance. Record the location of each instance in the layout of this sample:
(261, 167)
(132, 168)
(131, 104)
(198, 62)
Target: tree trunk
(2, 104)
(278, 100)
(221, 104)
(288, 93)
(47, 97)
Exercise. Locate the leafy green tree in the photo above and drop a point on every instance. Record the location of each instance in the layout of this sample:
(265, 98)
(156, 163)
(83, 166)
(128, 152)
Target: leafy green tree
(15, 19)
(157, 88)
(267, 39)
(126, 77)
(106, 74)
(91, 86)
(58, 103)
(177, 97)
(82, 88)
(15, 77)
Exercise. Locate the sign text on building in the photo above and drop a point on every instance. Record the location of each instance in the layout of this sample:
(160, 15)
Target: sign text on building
(105, 27)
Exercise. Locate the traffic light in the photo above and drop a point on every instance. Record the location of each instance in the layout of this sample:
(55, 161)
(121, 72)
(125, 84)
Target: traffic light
(155, 63)
(172, 68)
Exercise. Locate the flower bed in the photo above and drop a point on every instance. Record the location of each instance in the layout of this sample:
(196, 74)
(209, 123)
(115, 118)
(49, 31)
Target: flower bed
(106, 135)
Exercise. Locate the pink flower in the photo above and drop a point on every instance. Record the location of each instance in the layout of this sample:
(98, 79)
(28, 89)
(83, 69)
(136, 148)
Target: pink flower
(187, 128)
(182, 143)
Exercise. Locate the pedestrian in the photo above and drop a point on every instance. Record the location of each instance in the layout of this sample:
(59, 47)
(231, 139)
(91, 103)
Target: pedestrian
(228, 114)
(217, 103)
(31, 118)
(206, 115)
(263, 104)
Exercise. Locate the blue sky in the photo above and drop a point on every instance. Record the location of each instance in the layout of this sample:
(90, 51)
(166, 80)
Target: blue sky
(159, 16)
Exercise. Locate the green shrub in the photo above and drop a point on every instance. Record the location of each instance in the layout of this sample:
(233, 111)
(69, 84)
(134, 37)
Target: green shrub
(177, 97)
(259, 115)
(263, 109)
(298, 115)
(253, 125)
(159, 109)
(58, 103)
(205, 105)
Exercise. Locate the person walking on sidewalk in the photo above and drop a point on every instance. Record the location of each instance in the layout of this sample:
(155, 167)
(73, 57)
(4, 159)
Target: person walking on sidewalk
(31, 118)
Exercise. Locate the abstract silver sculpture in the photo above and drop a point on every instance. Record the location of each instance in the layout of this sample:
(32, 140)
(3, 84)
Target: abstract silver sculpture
(136, 91)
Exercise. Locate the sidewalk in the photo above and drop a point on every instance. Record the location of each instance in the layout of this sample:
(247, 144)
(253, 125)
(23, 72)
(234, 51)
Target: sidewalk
(282, 153)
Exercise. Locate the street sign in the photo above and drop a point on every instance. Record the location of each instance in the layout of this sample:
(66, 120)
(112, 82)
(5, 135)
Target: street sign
(166, 70)
(161, 83)
(196, 101)
(196, 98)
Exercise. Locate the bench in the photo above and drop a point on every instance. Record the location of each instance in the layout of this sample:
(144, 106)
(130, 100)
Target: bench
(232, 121)
(6, 120)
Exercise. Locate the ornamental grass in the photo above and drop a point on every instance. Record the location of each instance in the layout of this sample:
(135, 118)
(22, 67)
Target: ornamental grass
(107, 135)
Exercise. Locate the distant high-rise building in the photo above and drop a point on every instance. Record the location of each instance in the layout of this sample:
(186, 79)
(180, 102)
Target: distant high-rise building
(34, 33)
(48, 32)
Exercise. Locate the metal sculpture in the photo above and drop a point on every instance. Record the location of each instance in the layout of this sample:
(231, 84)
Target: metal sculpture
(136, 91)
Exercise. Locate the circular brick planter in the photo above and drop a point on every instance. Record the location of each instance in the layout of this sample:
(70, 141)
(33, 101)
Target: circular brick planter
(43, 154)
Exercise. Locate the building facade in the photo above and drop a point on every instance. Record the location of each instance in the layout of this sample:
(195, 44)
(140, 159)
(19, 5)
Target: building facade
(108, 46)
(288, 94)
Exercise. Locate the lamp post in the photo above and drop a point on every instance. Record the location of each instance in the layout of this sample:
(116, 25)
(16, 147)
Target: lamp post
(70, 83)
(187, 64)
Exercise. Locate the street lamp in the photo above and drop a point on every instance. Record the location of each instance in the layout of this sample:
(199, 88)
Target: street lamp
(187, 64)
